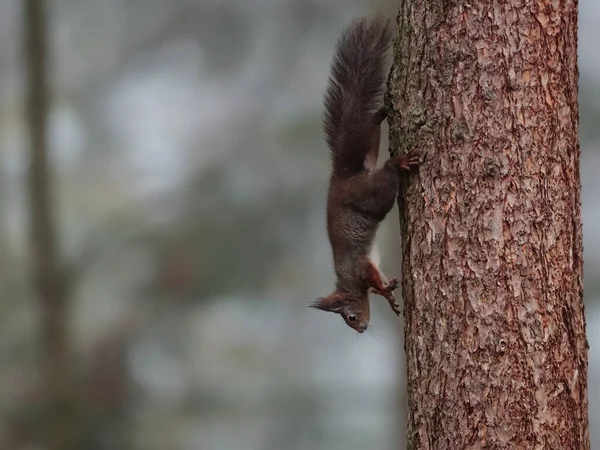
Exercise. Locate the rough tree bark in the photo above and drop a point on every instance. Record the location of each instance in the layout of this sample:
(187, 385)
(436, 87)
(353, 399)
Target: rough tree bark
(60, 413)
(492, 263)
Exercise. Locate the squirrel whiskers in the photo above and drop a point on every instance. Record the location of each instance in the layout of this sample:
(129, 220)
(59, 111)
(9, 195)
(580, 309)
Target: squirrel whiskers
(360, 195)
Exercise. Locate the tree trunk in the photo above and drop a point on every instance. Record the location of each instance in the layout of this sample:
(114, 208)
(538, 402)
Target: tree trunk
(60, 416)
(492, 246)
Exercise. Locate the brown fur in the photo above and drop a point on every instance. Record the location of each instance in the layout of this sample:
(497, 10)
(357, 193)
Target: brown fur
(360, 196)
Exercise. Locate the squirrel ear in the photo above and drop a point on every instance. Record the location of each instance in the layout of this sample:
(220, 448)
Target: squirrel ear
(320, 303)
(331, 303)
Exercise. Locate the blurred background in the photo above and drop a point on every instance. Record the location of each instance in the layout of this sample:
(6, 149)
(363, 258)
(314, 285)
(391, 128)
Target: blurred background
(188, 179)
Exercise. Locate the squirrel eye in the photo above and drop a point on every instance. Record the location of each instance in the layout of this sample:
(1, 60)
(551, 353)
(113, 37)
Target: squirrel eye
(352, 317)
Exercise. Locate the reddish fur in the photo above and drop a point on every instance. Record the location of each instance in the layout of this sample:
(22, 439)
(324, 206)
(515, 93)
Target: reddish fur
(360, 196)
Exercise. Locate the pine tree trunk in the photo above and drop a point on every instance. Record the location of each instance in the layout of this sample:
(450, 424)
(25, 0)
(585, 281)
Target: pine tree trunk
(492, 245)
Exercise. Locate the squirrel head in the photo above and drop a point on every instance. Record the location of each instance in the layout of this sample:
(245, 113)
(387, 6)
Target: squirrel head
(353, 309)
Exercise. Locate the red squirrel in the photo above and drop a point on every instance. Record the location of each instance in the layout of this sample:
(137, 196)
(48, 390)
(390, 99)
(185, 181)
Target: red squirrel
(360, 195)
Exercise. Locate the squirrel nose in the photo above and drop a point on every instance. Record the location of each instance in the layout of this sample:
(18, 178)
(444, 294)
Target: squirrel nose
(362, 327)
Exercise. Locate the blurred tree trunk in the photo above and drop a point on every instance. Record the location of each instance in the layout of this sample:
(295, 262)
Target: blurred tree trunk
(60, 415)
(492, 245)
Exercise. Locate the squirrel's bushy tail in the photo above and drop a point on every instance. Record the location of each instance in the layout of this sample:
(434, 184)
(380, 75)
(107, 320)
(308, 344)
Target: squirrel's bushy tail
(354, 92)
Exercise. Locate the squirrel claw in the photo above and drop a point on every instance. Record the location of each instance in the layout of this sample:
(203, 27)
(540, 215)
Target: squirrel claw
(410, 160)
(414, 161)
(393, 304)
(388, 294)
(414, 158)
(391, 286)
(396, 308)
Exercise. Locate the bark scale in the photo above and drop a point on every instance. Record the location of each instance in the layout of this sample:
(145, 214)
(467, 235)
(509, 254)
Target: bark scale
(492, 244)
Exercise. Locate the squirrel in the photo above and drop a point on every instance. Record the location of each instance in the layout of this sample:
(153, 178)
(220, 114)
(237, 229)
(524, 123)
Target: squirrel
(360, 196)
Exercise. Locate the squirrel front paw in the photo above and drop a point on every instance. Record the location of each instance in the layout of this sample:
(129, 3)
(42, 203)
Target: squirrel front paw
(392, 284)
(388, 294)
(396, 308)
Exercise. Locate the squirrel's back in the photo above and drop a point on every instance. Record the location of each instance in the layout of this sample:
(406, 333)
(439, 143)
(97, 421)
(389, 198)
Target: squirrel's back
(353, 95)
